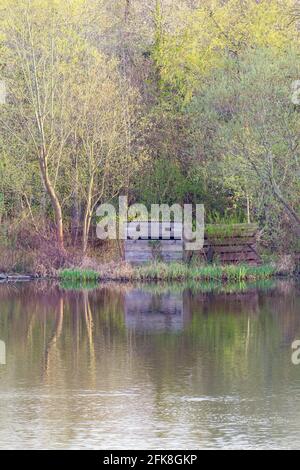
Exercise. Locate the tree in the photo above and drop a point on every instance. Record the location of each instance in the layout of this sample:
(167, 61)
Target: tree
(255, 126)
(40, 55)
(100, 137)
(200, 40)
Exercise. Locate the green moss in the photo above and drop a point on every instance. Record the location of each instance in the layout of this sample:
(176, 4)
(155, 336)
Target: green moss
(229, 230)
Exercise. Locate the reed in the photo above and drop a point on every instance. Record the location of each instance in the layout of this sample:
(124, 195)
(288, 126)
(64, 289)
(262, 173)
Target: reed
(78, 275)
(172, 272)
(180, 271)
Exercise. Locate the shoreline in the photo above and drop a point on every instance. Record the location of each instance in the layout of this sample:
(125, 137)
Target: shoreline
(156, 273)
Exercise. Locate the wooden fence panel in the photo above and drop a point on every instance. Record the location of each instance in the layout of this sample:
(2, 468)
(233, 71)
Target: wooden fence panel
(234, 244)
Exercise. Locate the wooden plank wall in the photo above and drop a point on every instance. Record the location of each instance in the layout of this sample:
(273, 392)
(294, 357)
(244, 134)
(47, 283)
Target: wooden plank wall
(153, 241)
(237, 245)
(145, 251)
(153, 230)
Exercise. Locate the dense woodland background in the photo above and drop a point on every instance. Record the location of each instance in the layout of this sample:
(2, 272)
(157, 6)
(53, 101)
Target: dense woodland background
(165, 101)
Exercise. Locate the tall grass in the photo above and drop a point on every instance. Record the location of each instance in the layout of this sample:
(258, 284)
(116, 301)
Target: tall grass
(173, 272)
(78, 275)
(179, 271)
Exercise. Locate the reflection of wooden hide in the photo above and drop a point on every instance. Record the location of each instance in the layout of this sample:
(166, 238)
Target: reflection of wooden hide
(224, 303)
(146, 311)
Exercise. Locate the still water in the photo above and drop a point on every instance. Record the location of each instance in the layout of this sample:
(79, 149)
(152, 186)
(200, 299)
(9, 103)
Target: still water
(155, 367)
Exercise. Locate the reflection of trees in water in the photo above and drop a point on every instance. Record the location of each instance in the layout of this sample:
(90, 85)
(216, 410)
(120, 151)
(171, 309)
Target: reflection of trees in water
(79, 362)
(226, 335)
(90, 330)
(47, 326)
(84, 333)
(52, 343)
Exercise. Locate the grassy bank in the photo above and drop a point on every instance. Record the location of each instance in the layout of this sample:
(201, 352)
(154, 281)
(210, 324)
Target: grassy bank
(172, 272)
(79, 275)
(178, 271)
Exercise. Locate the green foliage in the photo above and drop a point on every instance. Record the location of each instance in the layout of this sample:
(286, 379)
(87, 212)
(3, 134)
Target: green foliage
(180, 271)
(164, 183)
(255, 134)
(202, 39)
(177, 103)
(78, 275)
(229, 230)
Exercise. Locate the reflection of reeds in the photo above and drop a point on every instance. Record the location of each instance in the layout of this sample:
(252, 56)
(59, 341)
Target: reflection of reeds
(91, 337)
(77, 285)
(80, 287)
(164, 287)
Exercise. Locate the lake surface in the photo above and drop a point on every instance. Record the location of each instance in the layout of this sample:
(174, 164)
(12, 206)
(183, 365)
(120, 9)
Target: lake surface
(155, 367)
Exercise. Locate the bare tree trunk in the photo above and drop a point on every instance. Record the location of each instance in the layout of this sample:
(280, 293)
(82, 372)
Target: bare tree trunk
(87, 216)
(76, 208)
(55, 204)
(248, 209)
